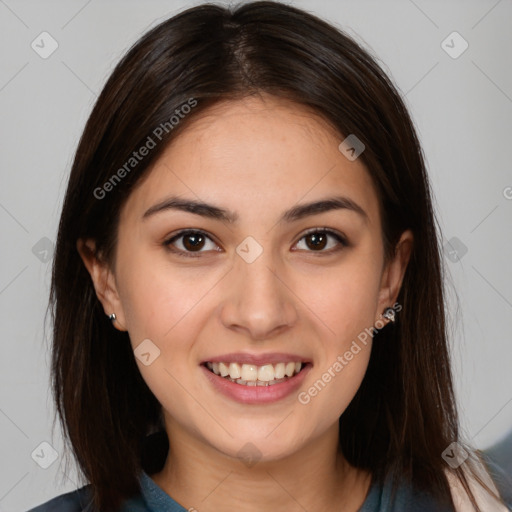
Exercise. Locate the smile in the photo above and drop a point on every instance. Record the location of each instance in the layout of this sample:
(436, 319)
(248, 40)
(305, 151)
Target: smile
(253, 375)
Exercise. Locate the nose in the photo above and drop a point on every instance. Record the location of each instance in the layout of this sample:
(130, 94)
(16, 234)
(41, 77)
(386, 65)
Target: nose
(259, 302)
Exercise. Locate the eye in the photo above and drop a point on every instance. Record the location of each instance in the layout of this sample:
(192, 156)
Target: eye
(185, 243)
(317, 239)
(190, 241)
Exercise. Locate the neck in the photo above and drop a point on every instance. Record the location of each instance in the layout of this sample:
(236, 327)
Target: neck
(317, 477)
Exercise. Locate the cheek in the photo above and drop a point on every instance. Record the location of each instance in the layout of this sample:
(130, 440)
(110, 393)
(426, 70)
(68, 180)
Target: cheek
(345, 298)
(332, 388)
(159, 307)
(162, 303)
(158, 297)
(344, 301)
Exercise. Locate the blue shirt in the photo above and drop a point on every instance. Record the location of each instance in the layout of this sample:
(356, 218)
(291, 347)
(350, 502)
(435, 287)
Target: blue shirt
(154, 499)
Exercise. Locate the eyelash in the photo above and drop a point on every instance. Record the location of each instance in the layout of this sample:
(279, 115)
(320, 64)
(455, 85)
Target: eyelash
(191, 254)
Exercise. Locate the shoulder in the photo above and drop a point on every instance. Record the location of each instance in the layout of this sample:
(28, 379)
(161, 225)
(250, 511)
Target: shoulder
(384, 497)
(494, 477)
(81, 500)
(409, 497)
(75, 501)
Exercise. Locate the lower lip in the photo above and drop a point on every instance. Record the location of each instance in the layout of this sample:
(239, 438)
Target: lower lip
(256, 394)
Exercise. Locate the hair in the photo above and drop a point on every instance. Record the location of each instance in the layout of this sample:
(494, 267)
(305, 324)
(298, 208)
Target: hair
(404, 415)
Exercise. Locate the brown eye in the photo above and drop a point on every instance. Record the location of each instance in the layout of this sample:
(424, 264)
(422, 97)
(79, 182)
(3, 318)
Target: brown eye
(188, 242)
(193, 241)
(317, 240)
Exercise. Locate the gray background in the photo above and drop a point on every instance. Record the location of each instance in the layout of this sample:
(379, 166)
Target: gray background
(462, 108)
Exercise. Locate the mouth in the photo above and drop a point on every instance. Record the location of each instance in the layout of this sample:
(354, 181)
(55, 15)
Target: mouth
(250, 374)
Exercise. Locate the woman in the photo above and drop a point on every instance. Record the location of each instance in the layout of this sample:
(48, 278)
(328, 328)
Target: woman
(247, 286)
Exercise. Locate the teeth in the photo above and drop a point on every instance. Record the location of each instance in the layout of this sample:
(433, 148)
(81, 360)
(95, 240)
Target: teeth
(266, 373)
(223, 369)
(279, 370)
(288, 371)
(252, 375)
(234, 371)
(249, 372)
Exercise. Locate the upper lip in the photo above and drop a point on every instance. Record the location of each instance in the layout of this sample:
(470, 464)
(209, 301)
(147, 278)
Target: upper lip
(257, 359)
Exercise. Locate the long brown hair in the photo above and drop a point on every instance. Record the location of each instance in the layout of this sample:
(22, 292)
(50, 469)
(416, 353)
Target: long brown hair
(404, 415)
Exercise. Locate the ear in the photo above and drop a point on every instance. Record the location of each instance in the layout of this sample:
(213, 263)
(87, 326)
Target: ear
(393, 274)
(103, 280)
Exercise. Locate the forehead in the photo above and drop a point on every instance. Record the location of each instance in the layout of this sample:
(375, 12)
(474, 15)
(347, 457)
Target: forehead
(257, 156)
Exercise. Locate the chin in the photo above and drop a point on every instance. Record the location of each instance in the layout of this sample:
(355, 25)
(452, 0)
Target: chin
(251, 449)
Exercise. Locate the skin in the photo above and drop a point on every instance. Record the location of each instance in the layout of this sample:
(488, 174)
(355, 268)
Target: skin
(257, 157)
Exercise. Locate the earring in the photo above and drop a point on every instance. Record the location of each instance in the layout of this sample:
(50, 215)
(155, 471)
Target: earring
(389, 313)
(112, 317)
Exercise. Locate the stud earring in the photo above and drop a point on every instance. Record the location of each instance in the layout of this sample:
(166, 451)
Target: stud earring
(112, 317)
(390, 314)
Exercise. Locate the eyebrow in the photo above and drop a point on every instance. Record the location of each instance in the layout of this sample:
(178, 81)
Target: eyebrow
(293, 214)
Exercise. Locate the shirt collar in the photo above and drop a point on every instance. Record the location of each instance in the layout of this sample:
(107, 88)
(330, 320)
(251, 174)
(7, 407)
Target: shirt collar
(157, 500)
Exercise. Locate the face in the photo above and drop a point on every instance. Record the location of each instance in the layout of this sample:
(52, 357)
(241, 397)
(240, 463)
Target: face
(261, 282)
